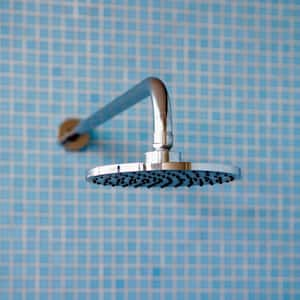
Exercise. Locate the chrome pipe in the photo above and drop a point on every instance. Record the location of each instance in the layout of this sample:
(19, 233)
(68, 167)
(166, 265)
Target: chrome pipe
(162, 118)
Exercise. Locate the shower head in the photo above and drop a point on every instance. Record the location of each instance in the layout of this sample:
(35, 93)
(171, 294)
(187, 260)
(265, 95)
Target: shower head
(169, 174)
(162, 167)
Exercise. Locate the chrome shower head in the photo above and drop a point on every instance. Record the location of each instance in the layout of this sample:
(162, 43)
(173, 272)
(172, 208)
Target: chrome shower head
(162, 167)
(169, 174)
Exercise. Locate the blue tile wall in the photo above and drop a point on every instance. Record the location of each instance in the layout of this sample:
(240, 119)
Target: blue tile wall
(232, 69)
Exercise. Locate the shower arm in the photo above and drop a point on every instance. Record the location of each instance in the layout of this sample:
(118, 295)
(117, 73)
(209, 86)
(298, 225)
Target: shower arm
(73, 130)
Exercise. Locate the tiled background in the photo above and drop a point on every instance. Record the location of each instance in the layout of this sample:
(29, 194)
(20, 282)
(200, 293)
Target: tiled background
(232, 69)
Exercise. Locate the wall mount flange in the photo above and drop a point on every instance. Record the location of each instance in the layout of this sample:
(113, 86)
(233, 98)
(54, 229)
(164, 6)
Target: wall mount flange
(75, 142)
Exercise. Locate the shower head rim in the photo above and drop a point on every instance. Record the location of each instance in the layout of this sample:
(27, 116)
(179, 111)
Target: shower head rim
(182, 166)
(169, 166)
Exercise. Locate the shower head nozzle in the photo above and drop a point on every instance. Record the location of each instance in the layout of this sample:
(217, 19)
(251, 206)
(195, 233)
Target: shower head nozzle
(169, 174)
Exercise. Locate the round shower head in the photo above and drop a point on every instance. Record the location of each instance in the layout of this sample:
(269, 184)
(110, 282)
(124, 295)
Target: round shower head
(168, 174)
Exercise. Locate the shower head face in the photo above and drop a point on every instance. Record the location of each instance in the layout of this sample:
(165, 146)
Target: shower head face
(162, 175)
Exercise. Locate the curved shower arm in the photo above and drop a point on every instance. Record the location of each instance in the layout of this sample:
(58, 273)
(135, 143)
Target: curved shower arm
(151, 86)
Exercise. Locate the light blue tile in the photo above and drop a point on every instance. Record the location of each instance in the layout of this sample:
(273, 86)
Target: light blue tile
(228, 82)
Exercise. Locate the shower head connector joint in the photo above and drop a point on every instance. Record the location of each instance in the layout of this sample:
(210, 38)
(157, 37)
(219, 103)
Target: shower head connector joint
(162, 156)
